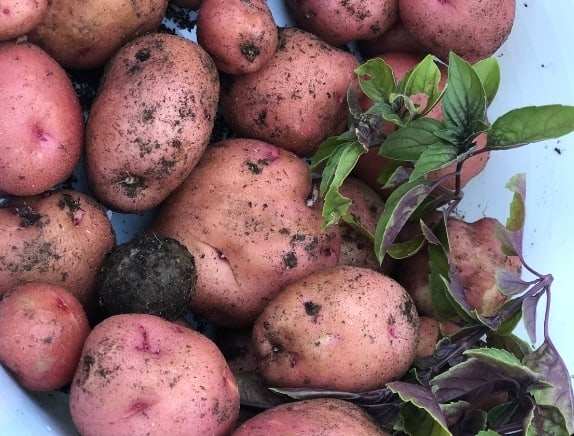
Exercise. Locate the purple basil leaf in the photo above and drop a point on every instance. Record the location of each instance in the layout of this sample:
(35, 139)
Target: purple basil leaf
(546, 361)
(253, 391)
(545, 420)
(529, 305)
(510, 284)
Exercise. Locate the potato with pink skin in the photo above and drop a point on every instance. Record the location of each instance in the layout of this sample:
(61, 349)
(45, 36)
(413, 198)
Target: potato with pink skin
(240, 35)
(41, 121)
(42, 331)
(315, 417)
(246, 216)
(61, 239)
(295, 101)
(142, 375)
(346, 328)
(17, 17)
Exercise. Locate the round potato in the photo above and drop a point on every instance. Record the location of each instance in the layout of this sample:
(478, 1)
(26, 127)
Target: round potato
(150, 121)
(473, 29)
(346, 328)
(42, 331)
(297, 99)
(85, 34)
(241, 36)
(41, 121)
(394, 39)
(314, 417)
(59, 239)
(339, 22)
(17, 17)
(142, 375)
(243, 214)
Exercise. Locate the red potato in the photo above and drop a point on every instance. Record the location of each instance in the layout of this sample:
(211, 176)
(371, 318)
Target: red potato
(315, 417)
(240, 35)
(297, 99)
(18, 17)
(61, 239)
(42, 331)
(142, 375)
(394, 39)
(346, 328)
(340, 22)
(150, 121)
(41, 121)
(473, 29)
(84, 35)
(476, 252)
(243, 214)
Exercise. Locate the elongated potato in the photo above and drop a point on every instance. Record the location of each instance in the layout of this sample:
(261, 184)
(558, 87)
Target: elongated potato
(151, 121)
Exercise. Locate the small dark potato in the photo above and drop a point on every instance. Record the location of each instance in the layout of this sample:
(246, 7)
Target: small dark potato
(240, 35)
(42, 330)
(148, 274)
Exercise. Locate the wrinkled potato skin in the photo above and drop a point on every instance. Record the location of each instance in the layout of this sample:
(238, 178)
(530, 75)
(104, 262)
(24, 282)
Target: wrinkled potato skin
(17, 17)
(42, 330)
(41, 121)
(330, 325)
(142, 375)
(315, 417)
(297, 99)
(60, 239)
(339, 22)
(85, 34)
(242, 214)
(240, 35)
(151, 121)
(473, 29)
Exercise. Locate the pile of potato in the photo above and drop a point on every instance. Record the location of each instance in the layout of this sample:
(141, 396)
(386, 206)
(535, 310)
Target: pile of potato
(318, 309)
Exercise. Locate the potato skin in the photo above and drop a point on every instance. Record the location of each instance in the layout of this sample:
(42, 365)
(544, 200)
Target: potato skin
(142, 375)
(150, 121)
(42, 330)
(315, 417)
(346, 320)
(240, 35)
(41, 121)
(19, 17)
(339, 22)
(59, 239)
(85, 34)
(473, 29)
(243, 214)
(297, 99)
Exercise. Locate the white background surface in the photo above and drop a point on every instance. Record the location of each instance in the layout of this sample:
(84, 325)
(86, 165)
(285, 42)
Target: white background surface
(537, 68)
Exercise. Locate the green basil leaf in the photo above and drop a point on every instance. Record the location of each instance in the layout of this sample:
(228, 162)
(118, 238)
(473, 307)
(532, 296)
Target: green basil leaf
(393, 174)
(434, 157)
(407, 143)
(326, 149)
(530, 124)
(424, 78)
(464, 100)
(489, 72)
(402, 250)
(376, 79)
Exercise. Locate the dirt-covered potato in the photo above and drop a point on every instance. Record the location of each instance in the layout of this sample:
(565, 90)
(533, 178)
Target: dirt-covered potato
(243, 213)
(59, 239)
(315, 417)
(346, 328)
(148, 274)
(18, 17)
(297, 99)
(41, 121)
(240, 35)
(42, 331)
(151, 120)
(394, 39)
(473, 29)
(142, 375)
(86, 34)
(340, 22)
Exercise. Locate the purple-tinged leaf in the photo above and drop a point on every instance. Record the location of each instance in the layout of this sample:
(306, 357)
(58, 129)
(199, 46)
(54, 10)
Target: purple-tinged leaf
(253, 391)
(393, 174)
(508, 342)
(547, 362)
(512, 234)
(545, 420)
(425, 416)
(510, 284)
(529, 306)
